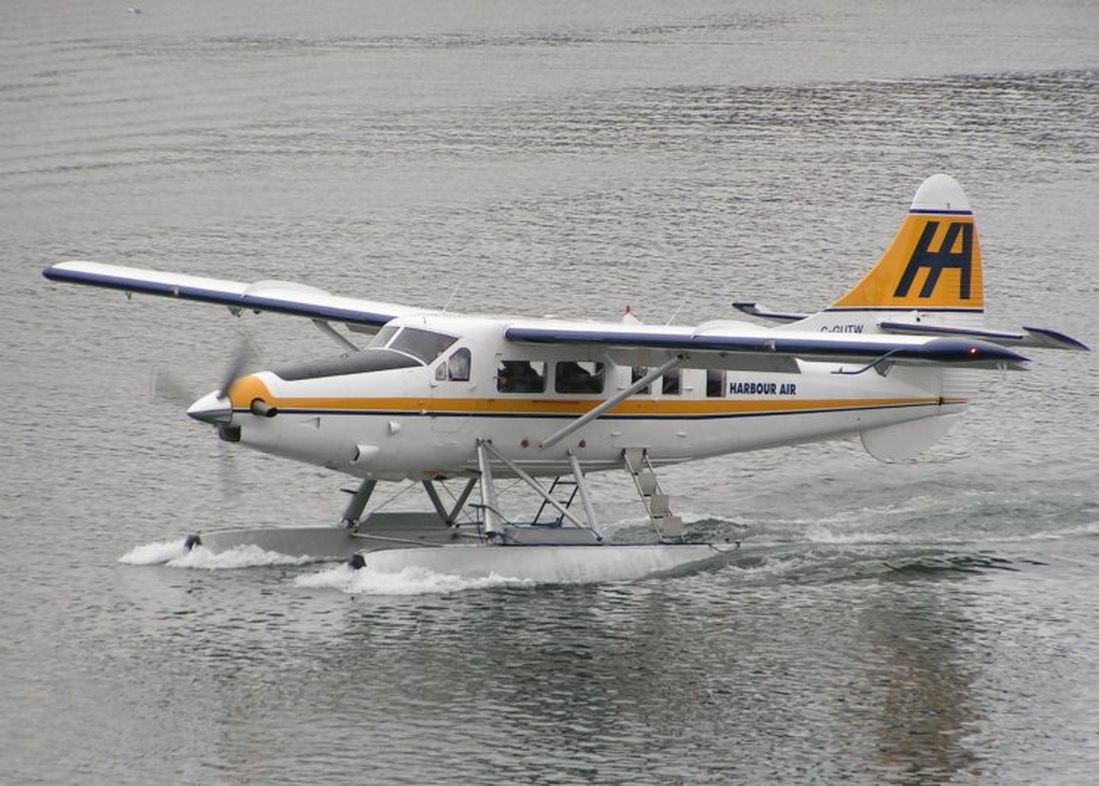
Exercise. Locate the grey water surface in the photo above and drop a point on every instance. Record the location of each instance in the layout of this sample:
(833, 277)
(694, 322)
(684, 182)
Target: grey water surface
(927, 622)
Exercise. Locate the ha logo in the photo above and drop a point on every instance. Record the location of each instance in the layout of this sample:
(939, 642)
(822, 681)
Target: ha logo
(935, 262)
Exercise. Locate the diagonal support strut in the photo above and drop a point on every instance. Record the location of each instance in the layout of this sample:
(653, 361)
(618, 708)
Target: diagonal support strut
(610, 403)
(534, 484)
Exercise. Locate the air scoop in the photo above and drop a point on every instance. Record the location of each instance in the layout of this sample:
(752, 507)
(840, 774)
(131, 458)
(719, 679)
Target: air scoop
(211, 408)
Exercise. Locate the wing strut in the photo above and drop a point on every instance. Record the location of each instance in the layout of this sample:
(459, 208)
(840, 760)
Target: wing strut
(611, 403)
(332, 333)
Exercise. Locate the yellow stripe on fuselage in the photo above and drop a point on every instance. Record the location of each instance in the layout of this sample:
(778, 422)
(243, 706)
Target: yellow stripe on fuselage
(572, 408)
(245, 390)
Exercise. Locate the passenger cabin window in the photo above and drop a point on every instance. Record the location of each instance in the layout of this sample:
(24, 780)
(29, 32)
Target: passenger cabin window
(715, 383)
(672, 380)
(422, 344)
(457, 367)
(521, 376)
(636, 373)
(572, 377)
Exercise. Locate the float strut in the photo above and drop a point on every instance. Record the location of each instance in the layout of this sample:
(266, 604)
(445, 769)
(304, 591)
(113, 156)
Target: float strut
(451, 517)
(582, 487)
(534, 484)
(494, 524)
(358, 502)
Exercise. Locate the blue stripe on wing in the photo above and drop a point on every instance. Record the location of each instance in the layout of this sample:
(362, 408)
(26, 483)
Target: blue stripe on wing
(940, 350)
(230, 299)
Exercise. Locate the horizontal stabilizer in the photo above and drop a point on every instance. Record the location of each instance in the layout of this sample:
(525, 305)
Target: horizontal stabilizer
(1051, 339)
(1040, 338)
(761, 311)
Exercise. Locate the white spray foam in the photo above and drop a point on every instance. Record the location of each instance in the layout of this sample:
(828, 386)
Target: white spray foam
(174, 554)
(410, 581)
(819, 533)
(250, 556)
(154, 553)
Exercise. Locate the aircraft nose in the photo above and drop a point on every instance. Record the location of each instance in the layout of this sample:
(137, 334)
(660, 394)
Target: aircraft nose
(212, 408)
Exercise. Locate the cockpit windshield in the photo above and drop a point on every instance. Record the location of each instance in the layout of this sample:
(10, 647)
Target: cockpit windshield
(392, 348)
(422, 344)
(381, 338)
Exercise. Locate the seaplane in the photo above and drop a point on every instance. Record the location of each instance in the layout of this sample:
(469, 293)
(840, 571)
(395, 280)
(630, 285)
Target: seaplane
(428, 396)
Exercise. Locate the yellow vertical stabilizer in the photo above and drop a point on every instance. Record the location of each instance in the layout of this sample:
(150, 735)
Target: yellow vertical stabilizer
(934, 261)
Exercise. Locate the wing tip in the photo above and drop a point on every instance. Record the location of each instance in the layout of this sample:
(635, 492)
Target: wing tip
(55, 272)
(61, 271)
(952, 350)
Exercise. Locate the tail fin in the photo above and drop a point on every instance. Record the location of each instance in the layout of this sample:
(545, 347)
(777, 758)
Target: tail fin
(933, 266)
(934, 261)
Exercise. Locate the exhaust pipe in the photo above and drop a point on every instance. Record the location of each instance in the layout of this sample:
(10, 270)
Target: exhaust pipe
(262, 409)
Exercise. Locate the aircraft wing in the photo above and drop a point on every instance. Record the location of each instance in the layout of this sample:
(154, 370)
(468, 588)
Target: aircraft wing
(283, 297)
(744, 347)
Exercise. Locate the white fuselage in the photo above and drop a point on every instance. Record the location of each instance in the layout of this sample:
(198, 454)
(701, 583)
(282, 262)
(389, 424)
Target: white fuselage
(423, 420)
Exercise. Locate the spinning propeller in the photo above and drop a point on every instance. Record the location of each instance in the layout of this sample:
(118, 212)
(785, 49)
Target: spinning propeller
(181, 393)
(216, 408)
(243, 357)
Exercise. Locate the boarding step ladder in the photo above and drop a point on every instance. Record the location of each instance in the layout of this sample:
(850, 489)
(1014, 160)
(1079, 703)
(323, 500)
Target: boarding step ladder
(561, 485)
(668, 526)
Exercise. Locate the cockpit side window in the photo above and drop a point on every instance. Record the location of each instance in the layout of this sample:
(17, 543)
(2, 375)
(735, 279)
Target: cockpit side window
(521, 376)
(458, 366)
(381, 338)
(422, 344)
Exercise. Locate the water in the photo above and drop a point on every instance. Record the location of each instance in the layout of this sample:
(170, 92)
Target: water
(918, 623)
